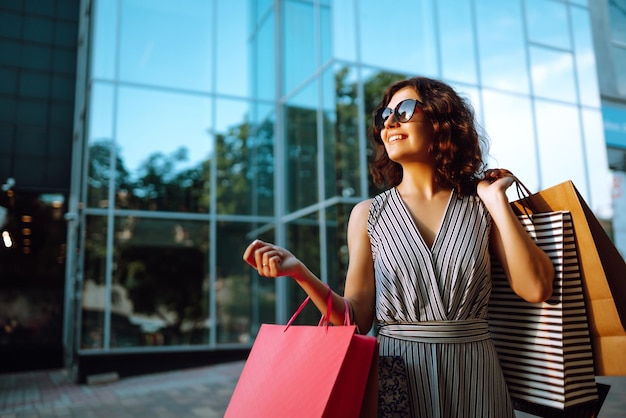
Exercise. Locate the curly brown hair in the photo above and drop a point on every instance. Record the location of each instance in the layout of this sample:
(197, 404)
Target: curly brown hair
(456, 147)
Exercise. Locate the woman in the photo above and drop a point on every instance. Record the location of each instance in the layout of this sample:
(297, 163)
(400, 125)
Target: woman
(420, 253)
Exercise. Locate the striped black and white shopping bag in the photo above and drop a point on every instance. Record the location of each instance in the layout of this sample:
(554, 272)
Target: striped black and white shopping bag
(545, 348)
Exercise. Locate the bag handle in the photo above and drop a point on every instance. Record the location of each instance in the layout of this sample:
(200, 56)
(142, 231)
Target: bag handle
(325, 319)
(523, 193)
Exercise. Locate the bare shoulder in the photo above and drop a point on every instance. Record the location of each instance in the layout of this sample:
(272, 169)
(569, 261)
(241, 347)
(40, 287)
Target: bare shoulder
(360, 211)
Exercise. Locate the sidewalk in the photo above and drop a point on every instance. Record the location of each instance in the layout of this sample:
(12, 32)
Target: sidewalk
(199, 392)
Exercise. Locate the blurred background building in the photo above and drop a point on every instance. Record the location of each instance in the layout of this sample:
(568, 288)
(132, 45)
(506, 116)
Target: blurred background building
(145, 143)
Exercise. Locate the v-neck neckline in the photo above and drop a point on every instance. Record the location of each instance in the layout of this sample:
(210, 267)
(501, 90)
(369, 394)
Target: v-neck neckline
(442, 221)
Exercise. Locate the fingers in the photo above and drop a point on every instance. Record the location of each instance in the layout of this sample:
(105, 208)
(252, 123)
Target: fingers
(264, 257)
(496, 173)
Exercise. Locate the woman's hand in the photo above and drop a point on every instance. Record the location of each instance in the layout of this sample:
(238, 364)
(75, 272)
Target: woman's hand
(271, 260)
(494, 184)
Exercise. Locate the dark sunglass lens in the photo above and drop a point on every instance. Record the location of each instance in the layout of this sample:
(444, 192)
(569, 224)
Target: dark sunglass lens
(404, 111)
(381, 116)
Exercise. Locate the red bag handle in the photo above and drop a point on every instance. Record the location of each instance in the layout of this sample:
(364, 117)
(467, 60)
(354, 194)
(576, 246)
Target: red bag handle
(325, 319)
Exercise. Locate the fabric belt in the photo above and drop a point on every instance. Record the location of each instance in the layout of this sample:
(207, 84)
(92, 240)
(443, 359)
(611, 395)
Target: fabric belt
(444, 332)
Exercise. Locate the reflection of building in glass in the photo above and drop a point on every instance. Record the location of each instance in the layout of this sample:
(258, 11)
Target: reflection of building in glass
(196, 132)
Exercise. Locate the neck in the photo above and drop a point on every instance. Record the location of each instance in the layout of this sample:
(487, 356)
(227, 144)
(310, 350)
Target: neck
(419, 180)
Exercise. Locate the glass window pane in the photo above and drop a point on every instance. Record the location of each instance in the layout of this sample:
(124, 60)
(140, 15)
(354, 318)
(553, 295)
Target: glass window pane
(458, 52)
(561, 151)
(236, 155)
(501, 45)
(325, 42)
(35, 57)
(337, 245)
(34, 84)
(31, 141)
(94, 288)
(299, 43)
(301, 149)
(407, 45)
(261, 159)
(100, 145)
(8, 81)
(344, 30)
(509, 125)
(164, 144)
(619, 57)
(553, 74)
(303, 240)
(32, 112)
(547, 24)
(232, 46)
(585, 58)
(167, 43)
(105, 30)
(244, 300)
(617, 16)
(342, 139)
(37, 29)
(597, 162)
(160, 285)
(264, 60)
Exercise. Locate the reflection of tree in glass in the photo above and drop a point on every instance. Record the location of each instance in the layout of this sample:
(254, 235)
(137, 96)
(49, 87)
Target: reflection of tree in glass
(168, 282)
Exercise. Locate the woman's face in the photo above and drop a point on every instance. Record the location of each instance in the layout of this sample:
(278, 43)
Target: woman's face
(408, 141)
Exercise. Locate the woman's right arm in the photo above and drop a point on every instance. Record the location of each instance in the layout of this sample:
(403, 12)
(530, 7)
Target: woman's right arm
(360, 284)
(273, 261)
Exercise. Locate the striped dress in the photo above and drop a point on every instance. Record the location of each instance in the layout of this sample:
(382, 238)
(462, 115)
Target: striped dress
(431, 307)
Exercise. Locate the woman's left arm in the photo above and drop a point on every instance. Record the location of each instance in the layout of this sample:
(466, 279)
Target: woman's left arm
(528, 268)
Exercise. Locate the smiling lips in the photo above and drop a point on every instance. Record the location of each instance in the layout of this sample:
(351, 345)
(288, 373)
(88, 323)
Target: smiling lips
(393, 138)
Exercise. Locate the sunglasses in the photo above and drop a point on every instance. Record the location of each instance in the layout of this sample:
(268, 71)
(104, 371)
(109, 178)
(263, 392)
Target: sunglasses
(402, 113)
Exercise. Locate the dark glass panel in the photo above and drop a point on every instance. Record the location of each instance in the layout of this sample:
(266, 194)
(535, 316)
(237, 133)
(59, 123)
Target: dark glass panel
(160, 289)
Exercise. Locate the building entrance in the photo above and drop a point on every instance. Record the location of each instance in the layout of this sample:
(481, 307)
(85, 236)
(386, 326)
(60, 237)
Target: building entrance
(32, 276)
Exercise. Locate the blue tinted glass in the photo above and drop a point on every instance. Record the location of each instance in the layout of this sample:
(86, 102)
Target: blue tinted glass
(301, 148)
(344, 30)
(232, 47)
(162, 133)
(553, 74)
(558, 130)
(547, 24)
(458, 53)
(584, 55)
(617, 15)
(34, 84)
(619, 57)
(501, 45)
(100, 134)
(299, 43)
(167, 43)
(105, 31)
(37, 29)
(264, 61)
(404, 43)
(325, 34)
(509, 124)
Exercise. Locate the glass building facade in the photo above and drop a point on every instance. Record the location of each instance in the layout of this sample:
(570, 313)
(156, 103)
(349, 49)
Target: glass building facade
(202, 125)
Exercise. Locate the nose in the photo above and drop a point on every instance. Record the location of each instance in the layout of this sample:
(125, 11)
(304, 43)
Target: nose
(391, 120)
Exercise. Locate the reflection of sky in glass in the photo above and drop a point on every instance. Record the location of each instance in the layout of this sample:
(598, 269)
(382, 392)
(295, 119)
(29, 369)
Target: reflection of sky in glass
(509, 125)
(101, 119)
(158, 122)
(553, 74)
(232, 47)
(501, 45)
(560, 144)
(167, 43)
(547, 23)
(399, 36)
(299, 43)
(457, 41)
